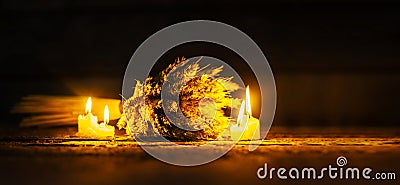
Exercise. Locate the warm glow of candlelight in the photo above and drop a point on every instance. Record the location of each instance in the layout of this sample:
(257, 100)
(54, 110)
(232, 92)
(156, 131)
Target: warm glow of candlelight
(88, 124)
(248, 105)
(245, 109)
(106, 114)
(248, 127)
(88, 105)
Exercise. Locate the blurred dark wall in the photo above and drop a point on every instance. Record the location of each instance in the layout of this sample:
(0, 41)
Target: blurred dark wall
(335, 62)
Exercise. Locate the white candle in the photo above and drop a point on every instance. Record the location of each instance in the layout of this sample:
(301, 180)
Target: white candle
(88, 123)
(237, 132)
(104, 129)
(247, 127)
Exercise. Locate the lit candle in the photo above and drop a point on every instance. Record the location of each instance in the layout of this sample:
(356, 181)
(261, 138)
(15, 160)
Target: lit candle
(88, 125)
(104, 129)
(247, 127)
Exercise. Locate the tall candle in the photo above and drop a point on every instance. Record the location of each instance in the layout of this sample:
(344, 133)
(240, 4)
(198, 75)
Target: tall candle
(247, 127)
(87, 123)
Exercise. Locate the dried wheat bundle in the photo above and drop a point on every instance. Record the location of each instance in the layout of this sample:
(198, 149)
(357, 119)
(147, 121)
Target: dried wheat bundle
(49, 111)
(204, 99)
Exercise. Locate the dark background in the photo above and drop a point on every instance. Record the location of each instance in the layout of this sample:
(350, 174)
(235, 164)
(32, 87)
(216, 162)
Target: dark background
(336, 63)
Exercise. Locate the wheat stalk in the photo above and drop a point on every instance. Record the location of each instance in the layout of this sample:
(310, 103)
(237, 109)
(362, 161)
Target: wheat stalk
(47, 111)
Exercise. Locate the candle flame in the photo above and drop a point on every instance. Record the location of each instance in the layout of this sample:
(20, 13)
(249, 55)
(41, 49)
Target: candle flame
(245, 109)
(88, 105)
(106, 114)
(248, 105)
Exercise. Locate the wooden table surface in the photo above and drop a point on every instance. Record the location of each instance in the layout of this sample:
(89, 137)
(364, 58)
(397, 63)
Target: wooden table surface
(56, 156)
